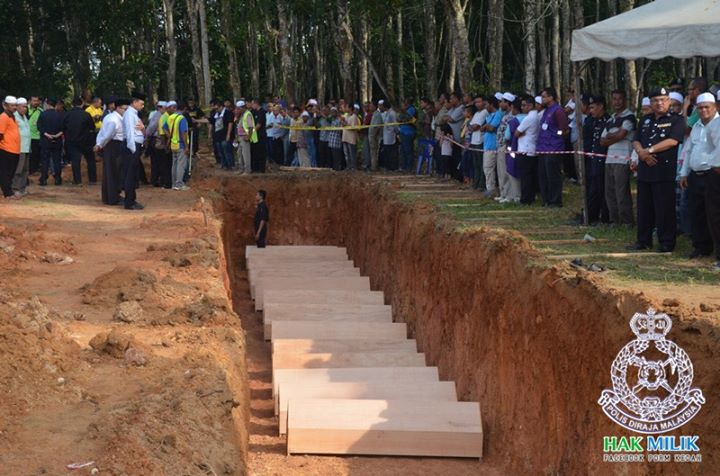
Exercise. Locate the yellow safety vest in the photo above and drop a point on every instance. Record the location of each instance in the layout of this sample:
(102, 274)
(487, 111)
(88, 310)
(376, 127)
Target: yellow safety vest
(243, 124)
(161, 124)
(174, 126)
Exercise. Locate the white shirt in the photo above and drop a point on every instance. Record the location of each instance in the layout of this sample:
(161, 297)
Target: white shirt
(130, 123)
(527, 143)
(112, 129)
(702, 147)
(478, 119)
(389, 132)
(619, 152)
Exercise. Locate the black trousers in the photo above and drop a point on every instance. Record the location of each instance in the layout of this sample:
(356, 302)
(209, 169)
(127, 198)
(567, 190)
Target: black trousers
(277, 150)
(338, 158)
(35, 156)
(455, 162)
(51, 157)
(292, 148)
(656, 209)
(550, 179)
(324, 156)
(111, 159)
(8, 164)
(712, 207)
(390, 152)
(528, 167)
(699, 230)
(166, 168)
(129, 173)
(75, 154)
(595, 193)
(258, 154)
(260, 242)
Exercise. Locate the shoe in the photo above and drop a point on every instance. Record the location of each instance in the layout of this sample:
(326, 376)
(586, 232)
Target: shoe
(698, 254)
(176, 188)
(637, 247)
(58, 182)
(504, 200)
(498, 199)
(135, 206)
(664, 249)
(716, 267)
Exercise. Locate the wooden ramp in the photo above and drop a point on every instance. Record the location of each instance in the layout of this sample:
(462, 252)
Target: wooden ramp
(346, 380)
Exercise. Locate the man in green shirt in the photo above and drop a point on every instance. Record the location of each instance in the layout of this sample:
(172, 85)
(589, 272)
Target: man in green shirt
(33, 114)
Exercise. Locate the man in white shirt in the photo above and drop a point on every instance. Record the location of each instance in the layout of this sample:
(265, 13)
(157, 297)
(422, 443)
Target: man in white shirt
(111, 141)
(134, 139)
(617, 137)
(527, 161)
(699, 174)
(476, 142)
(389, 137)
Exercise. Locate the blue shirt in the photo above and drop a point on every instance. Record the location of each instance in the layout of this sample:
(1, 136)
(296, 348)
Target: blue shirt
(408, 129)
(490, 138)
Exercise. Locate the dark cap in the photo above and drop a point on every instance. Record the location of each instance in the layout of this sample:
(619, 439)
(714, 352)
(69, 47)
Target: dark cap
(677, 82)
(139, 95)
(122, 102)
(596, 100)
(110, 100)
(658, 92)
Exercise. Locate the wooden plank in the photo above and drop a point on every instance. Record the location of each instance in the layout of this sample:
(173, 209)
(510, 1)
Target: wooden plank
(325, 313)
(254, 264)
(367, 374)
(385, 427)
(334, 360)
(251, 250)
(283, 267)
(318, 296)
(358, 283)
(264, 275)
(409, 390)
(378, 331)
(638, 254)
(342, 345)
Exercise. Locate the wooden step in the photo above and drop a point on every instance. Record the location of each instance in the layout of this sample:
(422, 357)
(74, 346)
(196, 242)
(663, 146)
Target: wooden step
(409, 390)
(255, 261)
(265, 276)
(368, 374)
(295, 296)
(293, 250)
(384, 427)
(359, 283)
(378, 331)
(343, 345)
(328, 360)
(300, 313)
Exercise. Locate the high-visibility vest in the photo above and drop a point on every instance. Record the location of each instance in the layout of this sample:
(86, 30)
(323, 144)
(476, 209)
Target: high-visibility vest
(243, 124)
(161, 124)
(174, 126)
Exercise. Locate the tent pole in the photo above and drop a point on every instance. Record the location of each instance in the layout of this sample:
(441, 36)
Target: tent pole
(579, 147)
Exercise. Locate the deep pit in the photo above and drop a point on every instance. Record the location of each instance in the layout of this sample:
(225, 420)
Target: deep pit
(532, 344)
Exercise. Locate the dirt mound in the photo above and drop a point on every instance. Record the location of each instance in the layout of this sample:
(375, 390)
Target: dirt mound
(29, 242)
(140, 296)
(201, 252)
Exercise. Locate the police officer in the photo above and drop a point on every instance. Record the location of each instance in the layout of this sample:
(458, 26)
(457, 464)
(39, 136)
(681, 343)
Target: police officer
(656, 145)
(595, 164)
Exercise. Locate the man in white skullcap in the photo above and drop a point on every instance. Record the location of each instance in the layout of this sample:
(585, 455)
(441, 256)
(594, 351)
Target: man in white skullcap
(504, 183)
(676, 102)
(20, 180)
(699, 176)
(645, 106)
(151, 135)
(350, 136)
(10, 146)
(246, 136)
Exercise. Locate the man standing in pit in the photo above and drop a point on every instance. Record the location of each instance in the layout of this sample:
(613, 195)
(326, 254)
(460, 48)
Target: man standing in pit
(262, 218)
(656, 146)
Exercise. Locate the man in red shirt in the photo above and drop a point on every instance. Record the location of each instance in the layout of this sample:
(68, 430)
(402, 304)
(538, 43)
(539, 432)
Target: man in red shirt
(9, 146)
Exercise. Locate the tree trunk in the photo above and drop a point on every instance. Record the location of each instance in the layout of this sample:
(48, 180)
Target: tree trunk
(611, 66)
(207, 79)
(226, 12)
(363, 63)
(168, 6)
(401, 68)
(286, 53)
(631, 79)
(431, 61)
(578, 22)
(320, 70)
(254, 59)
(195, 40)
(529, 24)
(567, 82)
(345, 51)
(452, 57)
(495, 32)
(389, 70)
(555, 42)
(461, 45)
(542, 40)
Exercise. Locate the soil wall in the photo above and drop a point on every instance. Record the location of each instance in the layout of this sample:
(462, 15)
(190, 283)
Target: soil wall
(533, 344)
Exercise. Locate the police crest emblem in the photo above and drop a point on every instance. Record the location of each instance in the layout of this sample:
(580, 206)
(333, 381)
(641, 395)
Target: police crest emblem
(652, 380)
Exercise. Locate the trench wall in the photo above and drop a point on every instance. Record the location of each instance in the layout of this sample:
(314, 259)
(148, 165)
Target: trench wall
(533, 344)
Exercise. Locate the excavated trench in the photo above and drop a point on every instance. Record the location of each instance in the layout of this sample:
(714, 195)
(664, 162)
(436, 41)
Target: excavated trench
(532, 344)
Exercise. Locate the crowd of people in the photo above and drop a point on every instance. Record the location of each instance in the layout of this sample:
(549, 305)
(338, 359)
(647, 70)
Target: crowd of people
(511, 148)
(39, 138)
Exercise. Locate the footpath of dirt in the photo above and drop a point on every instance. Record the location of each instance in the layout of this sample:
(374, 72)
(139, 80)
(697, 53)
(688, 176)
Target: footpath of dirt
(118, 342)
(534, 345)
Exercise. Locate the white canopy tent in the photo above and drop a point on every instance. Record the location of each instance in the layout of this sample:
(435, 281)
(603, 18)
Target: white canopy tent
(676, 28)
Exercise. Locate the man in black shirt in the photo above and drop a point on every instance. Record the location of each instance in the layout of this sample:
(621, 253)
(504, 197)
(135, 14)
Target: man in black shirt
(79, 130)
(656, 145)
(262, 218)
(258, 150)
(50, 126)
(597, 210)
(195, 117)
